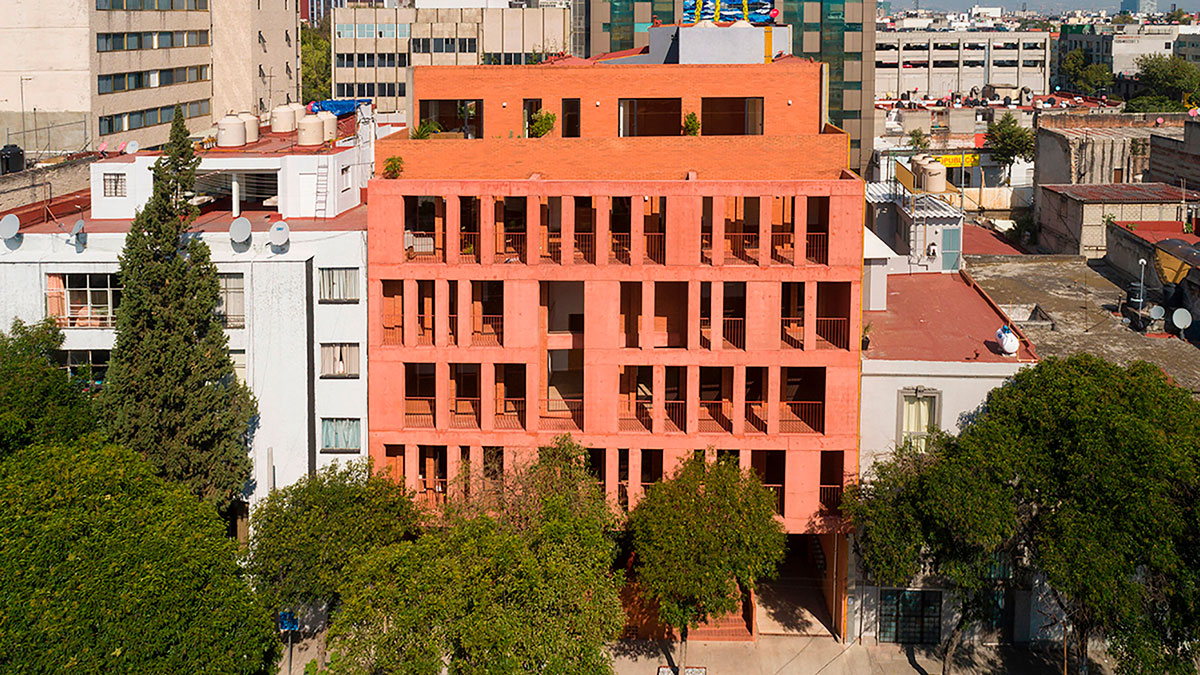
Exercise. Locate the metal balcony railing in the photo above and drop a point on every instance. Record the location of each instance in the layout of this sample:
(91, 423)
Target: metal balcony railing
(783, 248)
(817, 250)
(464, 412)
(469, 246)
(791, 331)
(735, 332)
(800, 417)
(776, 490)
(656, 247)
(424, 329)
(715, 416)
(393, 332)
(585, 247)
(756, 417)
(510, 246)
(510, 413)
(432, 491)
(706, 243)
(742, 246)
(70, 315)
(488, 330)
(834, 333)
(562, 414)
(831, 497)
(676, 415)
(423, 246)
(706, 332)
(620, 247)
(635, 415)
(552, 246)
(419, 412)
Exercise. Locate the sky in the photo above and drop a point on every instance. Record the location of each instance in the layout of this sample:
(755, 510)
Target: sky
(1049, 6)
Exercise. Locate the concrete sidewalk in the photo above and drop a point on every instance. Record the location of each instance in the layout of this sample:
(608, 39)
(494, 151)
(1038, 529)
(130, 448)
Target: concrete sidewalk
(812, 655)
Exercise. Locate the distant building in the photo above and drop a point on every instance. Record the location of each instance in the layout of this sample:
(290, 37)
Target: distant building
(1073, 218)
(1139, 6)
(1176, 160)
(940, 63)
(1099, 148)
(1120, 47)
(111, 71)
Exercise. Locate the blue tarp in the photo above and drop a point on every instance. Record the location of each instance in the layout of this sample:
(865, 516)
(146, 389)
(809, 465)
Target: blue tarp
(338, 107)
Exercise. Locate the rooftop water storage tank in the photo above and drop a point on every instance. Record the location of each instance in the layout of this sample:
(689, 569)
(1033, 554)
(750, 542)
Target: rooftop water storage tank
(251, 122)
(283, 119)
(312, 131)
(919, 168)
(935, 177)
(300, 109)
(231, 132)
(329, 121)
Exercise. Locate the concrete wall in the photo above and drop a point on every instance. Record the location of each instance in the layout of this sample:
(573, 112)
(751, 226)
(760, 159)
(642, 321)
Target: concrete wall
(276, 339)
(1126, 248)
(1176, 161)
(960, 51)
(239, 55)
(1070, 226)
(35, 185)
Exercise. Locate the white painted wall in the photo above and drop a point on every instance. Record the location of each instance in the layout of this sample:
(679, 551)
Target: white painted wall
(274, 338)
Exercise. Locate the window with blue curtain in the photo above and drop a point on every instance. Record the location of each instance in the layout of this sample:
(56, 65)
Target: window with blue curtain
(340, 434)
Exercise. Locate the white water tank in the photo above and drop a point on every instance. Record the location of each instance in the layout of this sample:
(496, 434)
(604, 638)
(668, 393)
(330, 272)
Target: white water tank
(283, 119)
(231, 132)
(1007, 340)
(301, 110)
(917, 164)
(312, 131)
(935, 177)
(329, 121)
(251, 122)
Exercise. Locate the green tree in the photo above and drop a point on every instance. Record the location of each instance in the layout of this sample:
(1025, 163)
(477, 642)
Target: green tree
(425, 129)
(109, 569)
(1009, 141)
(518, 579)
(1124, 18)
(700, 539)
(393, 167)
(171, 393)
(39, 402)
(541, 123)
(316, 73)
(918, 139)
(1091, 79)
(1177, 15)
(1169, 76)
(1091, 472)
(691, 124)
(1152, 104)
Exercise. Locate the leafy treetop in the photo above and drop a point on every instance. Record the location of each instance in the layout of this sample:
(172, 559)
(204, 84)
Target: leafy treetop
(39, 402)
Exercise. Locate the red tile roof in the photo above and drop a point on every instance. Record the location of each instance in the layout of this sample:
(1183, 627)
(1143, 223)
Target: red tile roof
(1125, 193)
(1155, 231)
(939, 317)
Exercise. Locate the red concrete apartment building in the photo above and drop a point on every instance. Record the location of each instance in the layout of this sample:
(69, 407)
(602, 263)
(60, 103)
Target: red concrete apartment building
(650, 293)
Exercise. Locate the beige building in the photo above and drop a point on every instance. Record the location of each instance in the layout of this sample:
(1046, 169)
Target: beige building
(75, 74)
(939, 63)
(374, 47)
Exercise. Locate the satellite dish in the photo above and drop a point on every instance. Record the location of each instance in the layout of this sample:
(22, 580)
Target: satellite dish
(1181, 318)
(132, 147)
(1157, 312)
(279, 233)
(239, 231)
(10, 225)
(103, 146)
(77, 228)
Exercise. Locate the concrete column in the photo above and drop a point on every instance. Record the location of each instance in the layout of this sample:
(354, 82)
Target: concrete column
(646, 339)
(452, 243)
(610, 475)
(533, 230)
(718, 230)
(476, 461)
(487, 229)
(635, 476)
(411, 302)
(765, 211)
(566, 221)
(717, 294)
(487, 396)
(801, 229)
(441, 395)
(739, 401)
(441, 312)
(453, 461)
(637, 230)
(412, 466)
(693, 315)
(658, 405)
(533, 391)
(810, 315)
(603, 206)
(692, 378)
(465, 320)
(773, 399)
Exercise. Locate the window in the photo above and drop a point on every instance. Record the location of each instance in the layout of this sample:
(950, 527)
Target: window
(420, 46)
(339, 284)
(82, 300)
(366, 30)
(366, 60)
(238, 357)
(570, 113)
(466, 45)
(387, 30)
(114, 185)
(339, 359)
(401, 30)
(345, 178)
(340, 434)
(385, 60)
(344, 30)
(910, 616)
(231, 303)
(386, 89)
(918, 413)
(344, 60)
(91, 364)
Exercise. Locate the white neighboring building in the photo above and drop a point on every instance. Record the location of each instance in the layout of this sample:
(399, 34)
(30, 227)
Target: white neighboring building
(931, 362)
(295, 311)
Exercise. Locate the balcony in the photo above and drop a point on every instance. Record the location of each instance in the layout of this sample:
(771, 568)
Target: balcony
(552, 246)
(393, 333)
(585, 247)
(706, 332)
(742, 246)
(488, 330)
(791, 331)
(562, 414)
(756, 417)
(510, 247)
(777, 491)
(464, 413)
(817, 249)
(635, 415)
(831, 497)
(419, 412)
(715, 416)
(676, 416)
(468, 246)
(656, 247)
(70, 315)
(783, 248)
(453, 327)
(432, 491)
(422, 246)
(424, 329)
(620, 247)
(735, 332)
(833, 333)
(510, 413)
(802, 417)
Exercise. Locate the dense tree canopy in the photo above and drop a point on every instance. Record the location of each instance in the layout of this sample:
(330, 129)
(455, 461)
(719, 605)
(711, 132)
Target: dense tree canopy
(1088, 472)
(1082, 75)
(171, 393)
(109, 569)
(39, 402)
(516, 580)
(316, 74)
(1171, 77)
(1009, 141)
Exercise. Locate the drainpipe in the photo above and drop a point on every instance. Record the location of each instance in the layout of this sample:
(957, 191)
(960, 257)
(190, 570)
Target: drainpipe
(236, 196)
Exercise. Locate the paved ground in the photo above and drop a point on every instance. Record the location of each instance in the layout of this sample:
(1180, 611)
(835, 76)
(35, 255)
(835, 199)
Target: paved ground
(825, 656)
(1081, 298)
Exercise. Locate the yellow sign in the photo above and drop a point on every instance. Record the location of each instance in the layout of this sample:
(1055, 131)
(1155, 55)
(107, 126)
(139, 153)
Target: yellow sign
(905, 176)
(954, 161)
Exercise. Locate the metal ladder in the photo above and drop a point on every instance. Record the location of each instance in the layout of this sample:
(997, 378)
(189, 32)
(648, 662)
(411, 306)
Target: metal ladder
(322, 194)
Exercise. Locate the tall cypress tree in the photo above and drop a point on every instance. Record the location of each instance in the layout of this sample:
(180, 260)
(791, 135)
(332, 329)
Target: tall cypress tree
(171, 393)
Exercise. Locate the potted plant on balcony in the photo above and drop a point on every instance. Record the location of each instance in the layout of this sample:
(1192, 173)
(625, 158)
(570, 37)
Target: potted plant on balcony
(392, 167)
(424, 130)
(541, 123)
(691, 125)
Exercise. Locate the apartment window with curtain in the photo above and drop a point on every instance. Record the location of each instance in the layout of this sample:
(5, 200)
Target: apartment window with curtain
(339, 284)
(83, 300)
(919, 412)
(339, 360)
(114, 185)
(340, 434)
(231, 303)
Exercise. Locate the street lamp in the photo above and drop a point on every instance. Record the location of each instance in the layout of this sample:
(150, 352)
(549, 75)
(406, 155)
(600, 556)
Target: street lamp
(24, 79)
